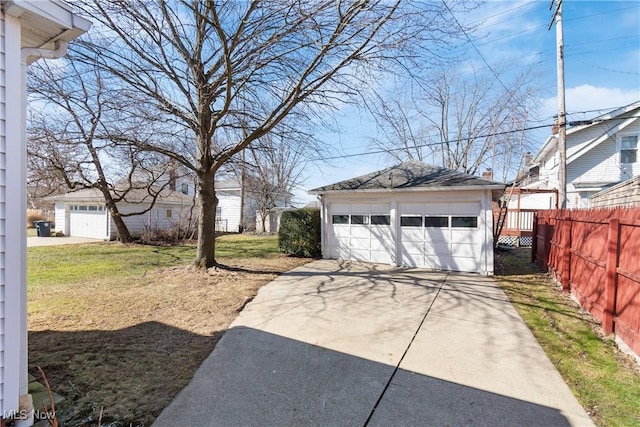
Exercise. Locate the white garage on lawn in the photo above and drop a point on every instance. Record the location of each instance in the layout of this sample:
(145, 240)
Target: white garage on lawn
(83, 213)
(414, 215)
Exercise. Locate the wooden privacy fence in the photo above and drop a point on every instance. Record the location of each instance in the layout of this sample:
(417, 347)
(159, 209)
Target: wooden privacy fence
(595, 254)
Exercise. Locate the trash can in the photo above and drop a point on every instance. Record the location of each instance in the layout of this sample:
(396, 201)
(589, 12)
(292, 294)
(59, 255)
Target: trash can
(43, 228)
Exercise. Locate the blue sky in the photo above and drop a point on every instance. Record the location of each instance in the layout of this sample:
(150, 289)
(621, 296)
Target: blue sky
(602, 69)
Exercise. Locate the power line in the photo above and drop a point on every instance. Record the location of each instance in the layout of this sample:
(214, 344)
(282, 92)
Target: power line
(433, 144)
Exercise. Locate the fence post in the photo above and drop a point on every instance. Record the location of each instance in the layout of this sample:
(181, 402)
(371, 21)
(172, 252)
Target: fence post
(534, 241)
(566, 250)
(610, 282)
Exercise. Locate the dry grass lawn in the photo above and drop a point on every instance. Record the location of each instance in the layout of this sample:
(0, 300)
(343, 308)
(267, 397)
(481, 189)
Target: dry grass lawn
(129, 337)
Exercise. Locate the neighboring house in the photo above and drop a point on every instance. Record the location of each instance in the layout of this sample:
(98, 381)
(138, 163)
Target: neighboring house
(237, 207)
(29, 30)
(413, 215)
(625, 194)
(601, 153)
(83, 213)
(272, 220)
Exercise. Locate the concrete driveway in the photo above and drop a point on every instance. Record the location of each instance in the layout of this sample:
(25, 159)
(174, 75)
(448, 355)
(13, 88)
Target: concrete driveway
(347, 344)
(54, 241)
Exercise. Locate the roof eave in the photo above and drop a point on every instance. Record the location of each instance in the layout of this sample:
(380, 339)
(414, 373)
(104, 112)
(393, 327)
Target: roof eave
(412, 189)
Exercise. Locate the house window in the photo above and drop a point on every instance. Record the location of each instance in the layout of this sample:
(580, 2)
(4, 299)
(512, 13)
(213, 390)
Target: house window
(359, 219)
(380, 220)
(168, 213)
(411, 221)
(436, 221)
(629, 149)
(464, 221)
(184, 188)
(340, 219)
(218, 212)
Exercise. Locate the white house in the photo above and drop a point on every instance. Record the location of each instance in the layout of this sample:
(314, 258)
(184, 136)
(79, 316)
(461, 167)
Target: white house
(601, 153)
(83, 213)
(238, 206)
(28, 30)
(413, 215)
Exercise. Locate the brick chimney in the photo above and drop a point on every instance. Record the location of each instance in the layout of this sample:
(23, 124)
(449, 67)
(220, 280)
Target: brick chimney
(555, 128)
(528, 159)
(488, 174)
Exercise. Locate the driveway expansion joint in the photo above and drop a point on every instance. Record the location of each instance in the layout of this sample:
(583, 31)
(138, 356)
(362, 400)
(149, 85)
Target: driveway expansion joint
(406, 350)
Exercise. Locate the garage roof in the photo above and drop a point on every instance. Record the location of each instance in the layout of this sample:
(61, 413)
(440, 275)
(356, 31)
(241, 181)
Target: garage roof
(412, 175)
(136, 195)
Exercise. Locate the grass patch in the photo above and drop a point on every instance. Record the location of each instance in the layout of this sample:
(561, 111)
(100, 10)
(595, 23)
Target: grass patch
(604, 380)
(32, 232)
(125, 327)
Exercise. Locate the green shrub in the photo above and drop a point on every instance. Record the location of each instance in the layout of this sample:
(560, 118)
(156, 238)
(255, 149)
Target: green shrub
(299, 233)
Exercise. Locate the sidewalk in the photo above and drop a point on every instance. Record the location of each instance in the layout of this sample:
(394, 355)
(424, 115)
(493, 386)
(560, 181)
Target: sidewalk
(55, 241)
(333, 343)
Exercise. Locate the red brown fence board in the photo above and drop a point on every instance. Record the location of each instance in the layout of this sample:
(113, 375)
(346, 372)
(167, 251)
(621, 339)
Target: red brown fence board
(595, 254)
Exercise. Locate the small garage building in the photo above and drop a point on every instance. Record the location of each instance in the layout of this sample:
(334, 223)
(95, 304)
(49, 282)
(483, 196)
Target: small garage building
(412, 214)
(83, 213)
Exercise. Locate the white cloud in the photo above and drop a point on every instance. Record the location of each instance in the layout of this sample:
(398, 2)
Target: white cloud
(587, 97)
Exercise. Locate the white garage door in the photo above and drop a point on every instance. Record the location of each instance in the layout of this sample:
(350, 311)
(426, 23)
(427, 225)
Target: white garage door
(445, 236)
(88, 221)
(361, 232)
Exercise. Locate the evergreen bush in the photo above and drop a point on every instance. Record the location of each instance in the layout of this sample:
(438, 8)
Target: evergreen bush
(299, 233)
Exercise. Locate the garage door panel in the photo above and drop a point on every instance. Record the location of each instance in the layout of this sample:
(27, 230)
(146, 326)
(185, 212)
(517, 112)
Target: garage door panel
(360, 232)
(412, 259)
(412, 234)
(360, 255)
(462, 250)
(92, 224)
(466, 236)
(380, 232)
(360, 244)
(439, 262)
(437, 234)
(433, 248)
(380, 256)
(341, 231)
(465, 264)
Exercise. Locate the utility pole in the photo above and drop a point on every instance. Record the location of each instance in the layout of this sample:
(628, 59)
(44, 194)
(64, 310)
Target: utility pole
(562, 113)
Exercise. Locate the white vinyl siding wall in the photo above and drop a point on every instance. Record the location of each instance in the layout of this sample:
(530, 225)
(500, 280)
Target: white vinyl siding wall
(2, 209)
(229, 204)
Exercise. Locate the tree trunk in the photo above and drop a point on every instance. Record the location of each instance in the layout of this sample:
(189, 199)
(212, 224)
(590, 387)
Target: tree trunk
(205, 256)
(123, 231)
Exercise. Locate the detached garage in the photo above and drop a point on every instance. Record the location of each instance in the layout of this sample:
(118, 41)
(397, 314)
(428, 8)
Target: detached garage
(83, 213)
(413, 215)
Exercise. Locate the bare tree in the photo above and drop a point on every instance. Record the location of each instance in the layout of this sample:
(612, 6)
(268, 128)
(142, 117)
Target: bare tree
(272, 170)
(229, 72)
(73, 115)
(461, 122)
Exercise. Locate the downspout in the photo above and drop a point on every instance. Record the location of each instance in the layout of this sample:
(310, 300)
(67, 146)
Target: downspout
(26, 408)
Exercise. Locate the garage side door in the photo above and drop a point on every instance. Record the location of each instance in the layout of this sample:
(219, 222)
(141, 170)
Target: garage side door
(88, 221)
(444, 236)
(360, 232)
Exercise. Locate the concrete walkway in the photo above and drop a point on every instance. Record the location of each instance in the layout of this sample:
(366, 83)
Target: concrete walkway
(341, 344)
(55, 241)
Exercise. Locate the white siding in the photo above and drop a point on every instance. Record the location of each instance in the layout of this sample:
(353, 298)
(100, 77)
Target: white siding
(2, 209)
(155, 219)
(229, 205)
(59, 218)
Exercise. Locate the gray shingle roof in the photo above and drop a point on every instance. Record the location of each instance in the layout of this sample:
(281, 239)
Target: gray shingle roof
(139, 195)
(410, 175)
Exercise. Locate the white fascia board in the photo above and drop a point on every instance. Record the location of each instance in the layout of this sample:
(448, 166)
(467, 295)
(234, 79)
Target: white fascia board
(548, 145)
(54, 11)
